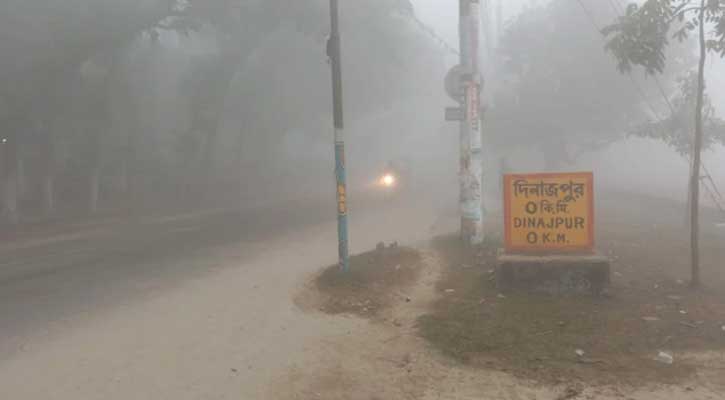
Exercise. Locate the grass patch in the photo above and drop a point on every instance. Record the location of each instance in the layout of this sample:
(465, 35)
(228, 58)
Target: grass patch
(371, 284)
(537, 336)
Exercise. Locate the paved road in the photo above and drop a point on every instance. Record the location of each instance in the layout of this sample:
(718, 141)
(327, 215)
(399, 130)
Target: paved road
(167, 307)
(45, 280)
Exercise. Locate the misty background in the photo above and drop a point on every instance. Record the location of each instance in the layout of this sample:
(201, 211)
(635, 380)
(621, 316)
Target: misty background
(633, 164)
(147, 104)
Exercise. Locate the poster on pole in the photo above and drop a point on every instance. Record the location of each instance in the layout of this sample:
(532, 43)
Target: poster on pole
(549, 213)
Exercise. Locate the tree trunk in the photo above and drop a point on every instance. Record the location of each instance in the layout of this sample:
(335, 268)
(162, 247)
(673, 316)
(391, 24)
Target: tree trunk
(128, 172)
(11, 213)
(209, 148)
(240, 173)
(696, 163)
(94, 177)
(124, 185)
(22, 176)
(49, 194)
(48, 189)
(94, 189)
(688, 201)
(10, 185)
(207, 173)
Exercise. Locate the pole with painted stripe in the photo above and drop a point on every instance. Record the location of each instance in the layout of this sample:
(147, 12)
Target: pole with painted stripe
(335, 55)
(471, 156)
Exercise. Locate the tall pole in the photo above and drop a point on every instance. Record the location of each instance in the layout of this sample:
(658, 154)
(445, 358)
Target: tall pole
(499, 20)
(696, 160)
(335, 55)
(471, 157)
(489, 31)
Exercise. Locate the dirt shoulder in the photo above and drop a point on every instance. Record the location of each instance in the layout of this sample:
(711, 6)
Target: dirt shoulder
(448, 334)
(375, 281)
(598, 341)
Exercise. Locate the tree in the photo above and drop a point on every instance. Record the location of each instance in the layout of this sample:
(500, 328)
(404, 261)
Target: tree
(281, 78)
(641, 37)
(164, 90)
(549, 72)
(47, 44)
(676, 129)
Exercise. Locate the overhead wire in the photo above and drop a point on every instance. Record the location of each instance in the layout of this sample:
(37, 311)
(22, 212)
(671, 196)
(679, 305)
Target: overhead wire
(615, 7)
(434, 35)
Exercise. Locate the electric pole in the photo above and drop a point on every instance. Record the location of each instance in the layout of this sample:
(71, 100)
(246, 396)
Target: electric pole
(335, 55)
(471, 157)
(499, 20)
(488, 29)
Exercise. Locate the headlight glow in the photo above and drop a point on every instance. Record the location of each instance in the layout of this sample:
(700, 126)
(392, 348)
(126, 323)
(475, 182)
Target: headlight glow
(388, 180)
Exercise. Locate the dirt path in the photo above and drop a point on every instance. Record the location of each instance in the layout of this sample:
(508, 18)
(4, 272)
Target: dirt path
(215, 336)
(236, 333)
(385, 358)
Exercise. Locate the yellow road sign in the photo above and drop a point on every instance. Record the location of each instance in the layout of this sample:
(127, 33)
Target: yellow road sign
(549, 212)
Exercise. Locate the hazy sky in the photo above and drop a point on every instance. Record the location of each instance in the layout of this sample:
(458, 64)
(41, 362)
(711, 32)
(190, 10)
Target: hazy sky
(442, 15)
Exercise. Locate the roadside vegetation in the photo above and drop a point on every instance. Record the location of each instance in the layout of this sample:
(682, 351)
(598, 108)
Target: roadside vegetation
(615, 339)
(373, 283)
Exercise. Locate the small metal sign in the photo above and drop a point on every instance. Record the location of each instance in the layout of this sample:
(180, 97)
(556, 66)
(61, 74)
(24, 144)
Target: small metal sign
(454, 84)
(454, 114)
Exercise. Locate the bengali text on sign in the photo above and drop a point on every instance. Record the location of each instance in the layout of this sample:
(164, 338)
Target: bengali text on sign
(549, 212)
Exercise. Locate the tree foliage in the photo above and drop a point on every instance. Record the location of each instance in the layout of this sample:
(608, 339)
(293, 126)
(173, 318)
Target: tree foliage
(641, 36)
(676, 129)
(657, 19)
(561, 94)
(169, 91)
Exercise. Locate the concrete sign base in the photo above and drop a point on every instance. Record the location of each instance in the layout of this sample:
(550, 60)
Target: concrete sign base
(553, 274)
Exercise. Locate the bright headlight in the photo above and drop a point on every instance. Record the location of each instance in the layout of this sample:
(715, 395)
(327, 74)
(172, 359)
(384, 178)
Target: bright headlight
(388, 180)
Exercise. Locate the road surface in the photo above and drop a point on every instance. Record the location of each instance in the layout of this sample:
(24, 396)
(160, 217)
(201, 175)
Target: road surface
(195, 306)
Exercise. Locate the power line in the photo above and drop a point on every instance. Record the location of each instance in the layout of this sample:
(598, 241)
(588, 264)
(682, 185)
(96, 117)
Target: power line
(614, 7)
(717, 200)
(590, 16)
(664, 95)
(710, 177)
(618, 7)
(432, 33)
(714, 192)
(643, 95)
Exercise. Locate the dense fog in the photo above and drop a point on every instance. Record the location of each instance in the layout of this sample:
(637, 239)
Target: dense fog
(153, 103)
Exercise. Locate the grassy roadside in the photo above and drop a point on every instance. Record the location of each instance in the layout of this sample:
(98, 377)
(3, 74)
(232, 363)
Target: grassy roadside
(537, 336)
(372, 283)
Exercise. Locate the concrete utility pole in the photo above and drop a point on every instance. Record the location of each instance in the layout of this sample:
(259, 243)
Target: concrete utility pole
(489, 32)
(335, 55)
(499, 20)
(471, 172)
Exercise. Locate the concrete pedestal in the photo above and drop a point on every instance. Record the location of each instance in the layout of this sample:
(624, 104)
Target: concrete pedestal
(554, 274)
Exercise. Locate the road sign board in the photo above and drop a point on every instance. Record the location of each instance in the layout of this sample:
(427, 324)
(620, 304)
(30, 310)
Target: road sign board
(454, 114)
(549, 212)
(454, 84)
